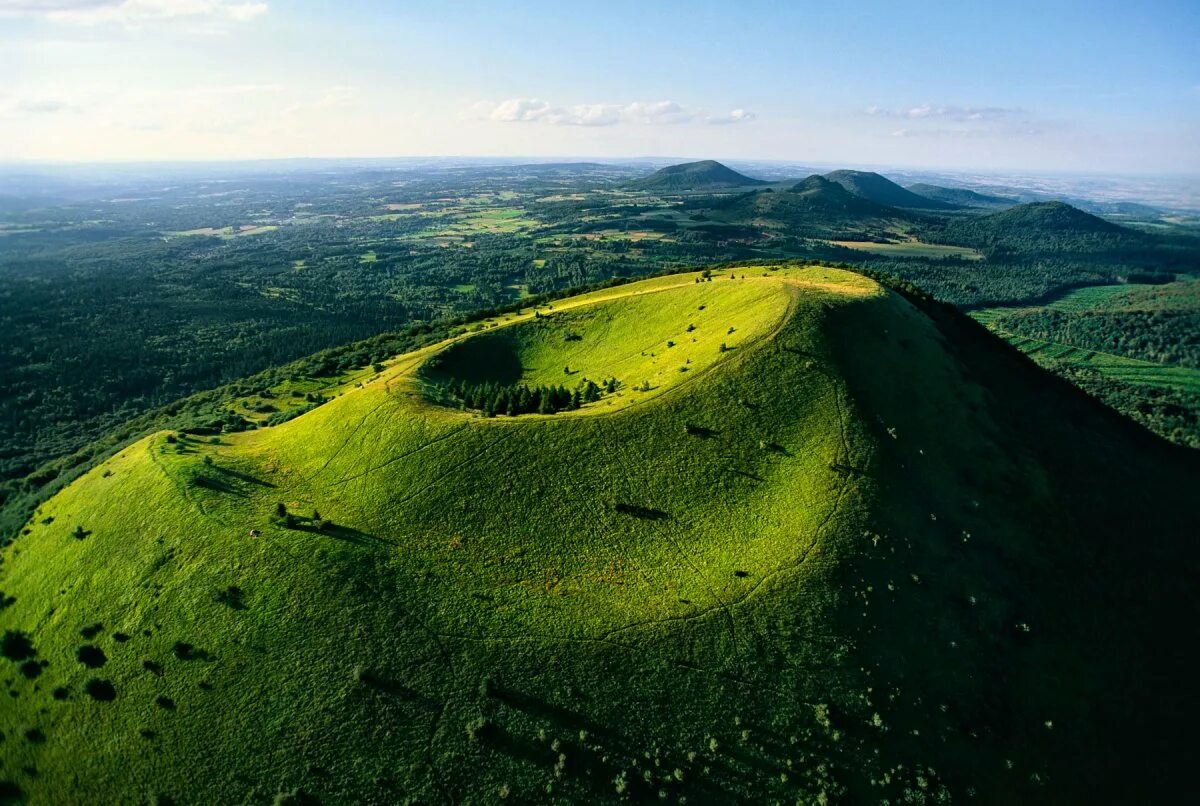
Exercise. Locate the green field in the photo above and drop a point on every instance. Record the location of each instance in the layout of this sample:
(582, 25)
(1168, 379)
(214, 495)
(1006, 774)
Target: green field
(911, 249)
(1117, 367)
(767, 567)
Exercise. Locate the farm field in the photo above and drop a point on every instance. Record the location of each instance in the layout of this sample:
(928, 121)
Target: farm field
(911, 249)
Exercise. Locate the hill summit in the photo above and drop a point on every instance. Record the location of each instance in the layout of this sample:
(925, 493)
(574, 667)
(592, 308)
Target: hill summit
(703, 175)
(812, 207)
(879, 189)
(744, 535)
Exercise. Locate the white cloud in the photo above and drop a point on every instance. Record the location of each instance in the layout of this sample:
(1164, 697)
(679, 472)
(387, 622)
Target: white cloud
(131, 12)
(25, 105)
(944, 112)
(646, 113)
(734, 116)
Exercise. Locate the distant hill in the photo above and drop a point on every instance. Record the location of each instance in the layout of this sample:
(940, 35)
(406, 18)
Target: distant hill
(1040, 227)
(703, 175)
(796, 537)
(813, 207)
(870, 185)
(1123, 208)
(959, 197)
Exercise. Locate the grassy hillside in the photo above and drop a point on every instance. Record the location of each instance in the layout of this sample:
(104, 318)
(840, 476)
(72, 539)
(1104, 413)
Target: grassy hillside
(702, 175)
(881, 190)
(766, 566)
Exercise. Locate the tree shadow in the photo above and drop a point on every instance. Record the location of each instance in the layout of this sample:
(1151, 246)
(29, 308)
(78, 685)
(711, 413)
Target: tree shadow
(216, 486)
(246, 477)
(394, 688)
(338, 532)
(642, 513)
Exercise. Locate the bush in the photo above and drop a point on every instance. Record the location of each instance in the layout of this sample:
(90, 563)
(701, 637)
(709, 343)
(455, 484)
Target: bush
(15, 645)
(91, 656)
(100, 690)
(479, 728)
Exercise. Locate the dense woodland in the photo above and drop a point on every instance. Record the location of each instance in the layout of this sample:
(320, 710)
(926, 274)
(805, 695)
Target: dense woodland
(117, 301)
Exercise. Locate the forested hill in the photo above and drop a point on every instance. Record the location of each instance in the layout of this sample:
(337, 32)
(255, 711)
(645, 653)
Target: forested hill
(960, 197)
(1041, 227)
(703, 175)
(813, 207)
(879, 189)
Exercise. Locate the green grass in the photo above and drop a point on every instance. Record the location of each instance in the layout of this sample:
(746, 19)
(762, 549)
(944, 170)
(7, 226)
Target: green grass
(750, 582)
(911, 249)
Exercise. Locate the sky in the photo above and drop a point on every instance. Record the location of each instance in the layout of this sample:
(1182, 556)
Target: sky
(1089, 86)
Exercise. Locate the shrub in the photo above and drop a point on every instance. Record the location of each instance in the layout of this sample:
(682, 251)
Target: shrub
(15, 645)
(91, 656)
(231, 597)
(478, 728)
(100, 690)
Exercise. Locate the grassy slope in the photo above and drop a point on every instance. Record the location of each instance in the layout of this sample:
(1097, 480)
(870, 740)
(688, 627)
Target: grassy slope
(784, 614)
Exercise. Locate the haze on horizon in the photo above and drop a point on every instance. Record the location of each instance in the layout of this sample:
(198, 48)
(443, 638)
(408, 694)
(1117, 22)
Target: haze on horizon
(1047, 86)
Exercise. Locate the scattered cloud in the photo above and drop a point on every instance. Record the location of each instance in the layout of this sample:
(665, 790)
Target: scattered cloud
(29, 105)
(648, 113)
(131, 12)
(947, 112)
(734, 116)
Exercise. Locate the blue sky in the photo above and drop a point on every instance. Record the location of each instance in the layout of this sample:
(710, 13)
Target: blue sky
(1087, 86)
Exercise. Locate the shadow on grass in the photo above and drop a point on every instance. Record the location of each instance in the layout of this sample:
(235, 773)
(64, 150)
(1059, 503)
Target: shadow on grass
(343, 533)
(246, 477)
(642, 513)
(216, 486)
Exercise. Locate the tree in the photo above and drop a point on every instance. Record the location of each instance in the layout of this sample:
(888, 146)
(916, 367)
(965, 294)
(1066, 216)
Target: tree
(281, 510)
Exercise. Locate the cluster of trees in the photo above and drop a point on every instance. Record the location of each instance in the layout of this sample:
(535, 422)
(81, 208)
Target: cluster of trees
(1169, 337)
(1170, 413)
(493, 398)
